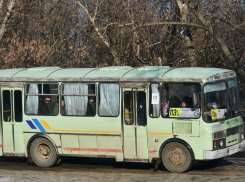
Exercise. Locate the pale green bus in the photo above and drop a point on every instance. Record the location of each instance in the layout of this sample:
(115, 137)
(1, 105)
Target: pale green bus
(174, 115)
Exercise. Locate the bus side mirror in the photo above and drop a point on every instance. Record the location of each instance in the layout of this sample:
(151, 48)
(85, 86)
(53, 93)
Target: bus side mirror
(195, 99)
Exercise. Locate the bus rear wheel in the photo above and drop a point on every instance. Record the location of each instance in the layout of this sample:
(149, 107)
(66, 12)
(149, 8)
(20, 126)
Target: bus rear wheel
(43, 153)
(176, 157)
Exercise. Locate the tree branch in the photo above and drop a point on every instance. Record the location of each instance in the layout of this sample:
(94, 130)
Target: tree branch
(172, 23)
(210, 29)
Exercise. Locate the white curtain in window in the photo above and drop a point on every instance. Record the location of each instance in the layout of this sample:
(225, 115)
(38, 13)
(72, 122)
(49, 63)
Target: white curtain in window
(156, 107)
(32, 101)
(109, 99)
(76, 105)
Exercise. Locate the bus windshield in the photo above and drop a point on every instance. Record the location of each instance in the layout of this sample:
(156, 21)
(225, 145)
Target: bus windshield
(221, 101)
(234, 97)
(215, 101)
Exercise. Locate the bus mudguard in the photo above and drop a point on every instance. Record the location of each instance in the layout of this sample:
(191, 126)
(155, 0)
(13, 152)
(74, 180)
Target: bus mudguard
(41, 135)
(180, 141)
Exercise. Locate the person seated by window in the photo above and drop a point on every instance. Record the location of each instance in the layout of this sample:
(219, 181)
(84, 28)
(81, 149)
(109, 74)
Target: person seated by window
(213, 102)
(46, 107)
(90, 109)
(187, 102)
(174, 101)
(183, 104)
(165, 108)
(62, 107)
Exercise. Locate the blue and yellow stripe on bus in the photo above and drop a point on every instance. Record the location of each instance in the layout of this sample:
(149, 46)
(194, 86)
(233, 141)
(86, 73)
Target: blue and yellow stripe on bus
(43, 126)
(35, 123)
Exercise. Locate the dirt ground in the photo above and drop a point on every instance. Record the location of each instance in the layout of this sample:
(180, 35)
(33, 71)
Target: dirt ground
(94, 169)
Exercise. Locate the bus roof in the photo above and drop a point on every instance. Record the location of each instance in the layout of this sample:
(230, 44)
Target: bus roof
(113, 73)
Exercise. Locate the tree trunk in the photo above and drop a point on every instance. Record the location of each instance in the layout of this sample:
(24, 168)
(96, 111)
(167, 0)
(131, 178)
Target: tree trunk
(3, 26)
(187, 33)
(1, 5)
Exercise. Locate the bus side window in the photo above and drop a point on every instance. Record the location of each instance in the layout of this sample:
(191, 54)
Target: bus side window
(109, 99)
(128, 108)
(6, 105)
(177, 100)
(141, 108)
(79, 99)
(154, 100)
(18, 105)
(41, 99)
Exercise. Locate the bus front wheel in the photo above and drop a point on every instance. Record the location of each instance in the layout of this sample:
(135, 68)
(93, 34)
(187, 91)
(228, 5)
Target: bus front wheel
(176, 157)
(43, 153)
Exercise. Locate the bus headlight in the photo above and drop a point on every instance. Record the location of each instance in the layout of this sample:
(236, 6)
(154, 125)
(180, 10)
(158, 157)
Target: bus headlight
(221, 143)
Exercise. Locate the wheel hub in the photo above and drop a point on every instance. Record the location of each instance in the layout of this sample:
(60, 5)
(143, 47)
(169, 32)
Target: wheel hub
(176, 157)
(43, 152)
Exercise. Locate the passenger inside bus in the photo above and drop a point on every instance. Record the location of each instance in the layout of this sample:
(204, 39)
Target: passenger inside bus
(174, 101)
(187, 102)
(165, 108)
(90, 107)
(62, 107)
(213, 103)
(45, 107)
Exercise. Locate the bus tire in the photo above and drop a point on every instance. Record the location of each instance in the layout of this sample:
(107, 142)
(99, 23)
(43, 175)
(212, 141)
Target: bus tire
(176, 157)
(43, 153)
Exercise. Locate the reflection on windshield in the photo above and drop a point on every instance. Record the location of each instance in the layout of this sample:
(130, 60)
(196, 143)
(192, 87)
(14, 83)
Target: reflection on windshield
(215, 101)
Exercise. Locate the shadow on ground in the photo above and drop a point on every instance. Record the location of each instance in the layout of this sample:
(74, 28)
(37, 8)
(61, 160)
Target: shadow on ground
(12, 163)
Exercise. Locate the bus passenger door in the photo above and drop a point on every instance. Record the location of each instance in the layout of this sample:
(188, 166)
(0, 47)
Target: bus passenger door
(11, 109)
(134, 125)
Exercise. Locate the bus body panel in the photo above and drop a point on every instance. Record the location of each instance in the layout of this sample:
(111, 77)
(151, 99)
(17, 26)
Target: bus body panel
(159, 130)
(81, 135)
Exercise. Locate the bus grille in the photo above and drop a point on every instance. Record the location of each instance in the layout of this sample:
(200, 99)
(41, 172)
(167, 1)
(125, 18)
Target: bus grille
(219, 135)
(232, 131)
(228, 132)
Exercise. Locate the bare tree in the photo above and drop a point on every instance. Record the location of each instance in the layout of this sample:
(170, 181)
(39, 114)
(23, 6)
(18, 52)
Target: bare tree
(102, 37)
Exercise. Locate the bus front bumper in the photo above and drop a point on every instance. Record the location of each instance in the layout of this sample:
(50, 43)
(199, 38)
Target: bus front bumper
(208, 155)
